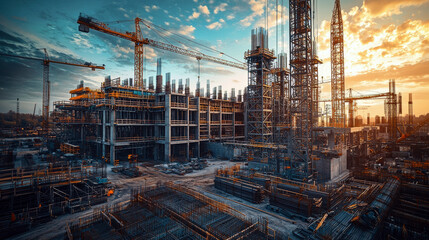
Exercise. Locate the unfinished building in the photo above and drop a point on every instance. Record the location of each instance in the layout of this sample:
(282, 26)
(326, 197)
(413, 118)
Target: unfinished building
(121, 119)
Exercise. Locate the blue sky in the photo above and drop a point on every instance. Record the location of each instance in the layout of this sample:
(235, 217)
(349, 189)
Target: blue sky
(28, 26)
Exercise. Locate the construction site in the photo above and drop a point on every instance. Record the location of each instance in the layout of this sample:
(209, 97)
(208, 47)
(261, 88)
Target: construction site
(164, 157)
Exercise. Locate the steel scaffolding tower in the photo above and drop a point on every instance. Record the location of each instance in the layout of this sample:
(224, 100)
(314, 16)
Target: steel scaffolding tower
(337, 68)
(410, 109)
(315, 86)
(259, 89)
(392, 111)
(301, 56)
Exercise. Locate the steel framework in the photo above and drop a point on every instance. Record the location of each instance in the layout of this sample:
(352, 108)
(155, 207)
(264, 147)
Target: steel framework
(259, 89)
(301, 56)
(337, 68)
(392, 111)
(315, 88)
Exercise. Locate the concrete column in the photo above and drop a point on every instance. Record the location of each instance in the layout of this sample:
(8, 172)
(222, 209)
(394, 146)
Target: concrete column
(365, 144)
(187, 152)
(167, 141)
(82, 140)
(112, 136)
(187, 125)
(331, 140)
(198, 127)
(220, 119)
(103, 140)
(233, 121)
(208, 118)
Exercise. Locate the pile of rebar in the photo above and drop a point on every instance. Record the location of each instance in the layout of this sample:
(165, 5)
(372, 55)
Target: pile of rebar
(204, 216)
(360, 220)
(248, 191)
(293, 201)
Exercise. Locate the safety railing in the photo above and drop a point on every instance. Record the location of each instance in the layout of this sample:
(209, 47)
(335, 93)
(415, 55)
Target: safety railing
(178, 105)
(179, 138)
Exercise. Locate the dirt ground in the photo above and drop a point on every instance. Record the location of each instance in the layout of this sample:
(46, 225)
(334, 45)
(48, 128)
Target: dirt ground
(201, 181)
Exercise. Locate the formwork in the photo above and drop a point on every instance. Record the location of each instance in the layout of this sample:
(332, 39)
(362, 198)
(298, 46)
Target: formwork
(127, 221)
(168, 211)
(204, 216)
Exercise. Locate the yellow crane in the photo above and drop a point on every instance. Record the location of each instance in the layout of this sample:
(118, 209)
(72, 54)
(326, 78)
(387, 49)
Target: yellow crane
(86, 22)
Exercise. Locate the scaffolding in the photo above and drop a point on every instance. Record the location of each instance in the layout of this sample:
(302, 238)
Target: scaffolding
(119, 118)
(30, 197)
(301, 56)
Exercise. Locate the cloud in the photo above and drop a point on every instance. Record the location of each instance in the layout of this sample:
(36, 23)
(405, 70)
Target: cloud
(370, 45)
(175, 18)
(220, 8)
(379, 8)
(192, 68)
(230, 17)
(376, 51)
(155, 7)
(80, 41)
(23, 78)
(147, 8)
(272, 17)
(257, 8)
(186, 30)
(204, 10)
(215, 25)
(194, 15)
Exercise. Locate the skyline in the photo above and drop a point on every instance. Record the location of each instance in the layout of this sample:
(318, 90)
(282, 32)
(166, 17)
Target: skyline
(383, 40)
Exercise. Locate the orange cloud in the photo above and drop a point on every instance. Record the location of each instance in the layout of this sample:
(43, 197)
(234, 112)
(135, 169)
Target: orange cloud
(376, 52)
(379, 8)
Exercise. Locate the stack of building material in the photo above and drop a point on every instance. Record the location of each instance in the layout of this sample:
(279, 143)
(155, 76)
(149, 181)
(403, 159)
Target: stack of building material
(293, 201)
(243, 189)
(355, 223)
(262, 181)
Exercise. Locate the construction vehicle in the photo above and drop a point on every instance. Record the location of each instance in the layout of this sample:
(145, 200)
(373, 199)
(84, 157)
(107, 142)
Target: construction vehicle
(46, 83)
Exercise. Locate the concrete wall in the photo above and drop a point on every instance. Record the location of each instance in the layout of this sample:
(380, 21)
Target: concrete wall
(220, 150)
(329, 168)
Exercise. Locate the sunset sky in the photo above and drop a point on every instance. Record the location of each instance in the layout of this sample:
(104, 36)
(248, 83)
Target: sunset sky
(384, 39)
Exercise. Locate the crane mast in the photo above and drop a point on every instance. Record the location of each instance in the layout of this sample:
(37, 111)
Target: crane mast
(337, 68)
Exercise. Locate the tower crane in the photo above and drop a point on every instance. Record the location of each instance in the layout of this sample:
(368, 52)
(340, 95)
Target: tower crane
(46, 83)
(86, 22)
(351, 101)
